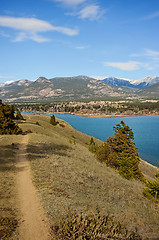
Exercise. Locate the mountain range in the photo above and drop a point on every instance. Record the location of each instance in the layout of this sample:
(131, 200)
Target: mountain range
(79, 87)
(139, 84)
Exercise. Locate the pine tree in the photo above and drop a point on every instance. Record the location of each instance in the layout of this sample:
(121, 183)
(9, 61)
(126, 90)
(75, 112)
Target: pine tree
(7, 126)
(121, 153)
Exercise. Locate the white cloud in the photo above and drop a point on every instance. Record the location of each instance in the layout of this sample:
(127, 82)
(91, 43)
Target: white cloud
(125, 66)
(70, 2)
(83, 10)
(91, 12)
(33, 36)
(67, 31)
(30, 27)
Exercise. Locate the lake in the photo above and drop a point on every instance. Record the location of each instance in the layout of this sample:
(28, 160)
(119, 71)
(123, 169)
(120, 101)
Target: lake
(145, 128)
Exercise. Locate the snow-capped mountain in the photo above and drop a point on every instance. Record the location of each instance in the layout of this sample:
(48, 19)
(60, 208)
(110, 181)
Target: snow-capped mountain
(99, 77)
(6, 83)
(118, 82)
(146, 82)
(139, 84)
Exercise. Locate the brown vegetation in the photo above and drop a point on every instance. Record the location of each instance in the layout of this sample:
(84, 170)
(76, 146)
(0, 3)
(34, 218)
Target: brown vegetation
(68, 176)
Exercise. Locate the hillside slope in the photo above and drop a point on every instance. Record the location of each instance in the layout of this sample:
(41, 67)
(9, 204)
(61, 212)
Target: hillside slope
(68, 176)
(150, 92)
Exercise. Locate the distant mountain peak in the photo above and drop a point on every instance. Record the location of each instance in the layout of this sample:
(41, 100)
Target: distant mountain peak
(147, 81)
(83, 77)
(6, 83)
(23, 82)
(41, 79)
(118, 82)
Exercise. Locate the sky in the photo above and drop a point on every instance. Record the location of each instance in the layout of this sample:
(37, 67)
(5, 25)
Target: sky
(61, 38)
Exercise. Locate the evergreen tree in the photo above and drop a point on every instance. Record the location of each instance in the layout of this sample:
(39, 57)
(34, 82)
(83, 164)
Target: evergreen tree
(126, 130)
(7, 126)
(121, 153)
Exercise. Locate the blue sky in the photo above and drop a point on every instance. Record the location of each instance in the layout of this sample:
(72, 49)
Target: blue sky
(54, 38)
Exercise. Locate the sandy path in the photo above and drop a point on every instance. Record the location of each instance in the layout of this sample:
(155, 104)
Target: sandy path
(33, 224)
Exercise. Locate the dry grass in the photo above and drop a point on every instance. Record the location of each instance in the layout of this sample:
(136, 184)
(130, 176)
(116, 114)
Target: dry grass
(68, 176)
(8, 207)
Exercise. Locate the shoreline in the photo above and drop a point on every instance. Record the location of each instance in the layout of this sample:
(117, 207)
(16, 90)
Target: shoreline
(117, 116)
(93, 115)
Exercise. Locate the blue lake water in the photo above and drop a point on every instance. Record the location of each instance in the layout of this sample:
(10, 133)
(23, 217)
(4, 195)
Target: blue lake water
(146, 131)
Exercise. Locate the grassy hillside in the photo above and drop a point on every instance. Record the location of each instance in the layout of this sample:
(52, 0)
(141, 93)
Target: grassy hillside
(68, 177)
(150, 92)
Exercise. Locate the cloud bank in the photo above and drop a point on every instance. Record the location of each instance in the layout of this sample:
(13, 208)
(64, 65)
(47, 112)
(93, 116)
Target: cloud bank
(125, 66)
(84, 10)
(31, 27)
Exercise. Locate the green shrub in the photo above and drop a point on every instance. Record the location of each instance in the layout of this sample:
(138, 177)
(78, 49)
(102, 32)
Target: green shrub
(28, 131)
(92, 146)
(90, 227)
(151, 189)
(53, 120)
(72, 141)
(61, 125)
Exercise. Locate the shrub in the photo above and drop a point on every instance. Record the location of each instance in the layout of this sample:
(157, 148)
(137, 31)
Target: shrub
(70, 141)
(151, 189)
(92, 146)
(28, 131)
(53, 120)
(61, 125)
(89, 227)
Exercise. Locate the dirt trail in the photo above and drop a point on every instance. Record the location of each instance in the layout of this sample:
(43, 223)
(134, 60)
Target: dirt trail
(33, 225)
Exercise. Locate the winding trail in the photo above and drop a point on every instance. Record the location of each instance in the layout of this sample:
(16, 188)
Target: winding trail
(33, 224)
